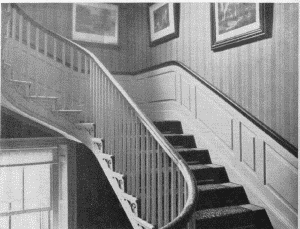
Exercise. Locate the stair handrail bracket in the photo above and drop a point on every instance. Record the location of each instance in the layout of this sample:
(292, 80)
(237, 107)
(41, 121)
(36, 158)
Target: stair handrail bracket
(155, 173)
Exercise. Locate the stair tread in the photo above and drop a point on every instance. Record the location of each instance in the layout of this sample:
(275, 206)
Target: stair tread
(42, 97)
(20, 81)
(228, 185)
(224, 211)
(205, 166)
(67, 111)
(190, 149)
(171, 135)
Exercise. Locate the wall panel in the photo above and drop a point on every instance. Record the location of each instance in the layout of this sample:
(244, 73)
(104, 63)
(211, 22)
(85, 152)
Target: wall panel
(281, 177)
(262, 76)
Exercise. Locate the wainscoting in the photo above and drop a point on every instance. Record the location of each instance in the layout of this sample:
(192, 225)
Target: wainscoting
(267, 170)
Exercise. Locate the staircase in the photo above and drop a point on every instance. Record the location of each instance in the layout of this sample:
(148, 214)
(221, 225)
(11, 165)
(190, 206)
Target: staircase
(221, 204)
(78, 97)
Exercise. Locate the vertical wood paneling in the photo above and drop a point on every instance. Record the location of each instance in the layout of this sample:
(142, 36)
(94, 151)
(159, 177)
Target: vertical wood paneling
(58, 18)
(262, 76)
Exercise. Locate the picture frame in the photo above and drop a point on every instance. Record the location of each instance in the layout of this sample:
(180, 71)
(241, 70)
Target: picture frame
(96, 23)
(234, 24)
(163, 19)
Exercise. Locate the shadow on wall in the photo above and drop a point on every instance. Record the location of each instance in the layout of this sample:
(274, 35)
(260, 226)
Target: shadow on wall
(97, 204)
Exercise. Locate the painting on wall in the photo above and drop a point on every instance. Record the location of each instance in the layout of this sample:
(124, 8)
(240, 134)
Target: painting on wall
(234, 24)
(96, 22)
(163, 22)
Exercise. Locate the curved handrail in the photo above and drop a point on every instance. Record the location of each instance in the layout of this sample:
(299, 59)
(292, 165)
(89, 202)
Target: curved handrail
(190, 202)
(278, 138)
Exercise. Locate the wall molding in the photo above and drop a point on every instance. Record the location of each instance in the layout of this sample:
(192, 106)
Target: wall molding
(278, 138)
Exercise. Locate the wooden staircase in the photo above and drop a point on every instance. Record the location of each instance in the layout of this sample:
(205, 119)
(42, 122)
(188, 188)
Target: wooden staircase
(221, 204)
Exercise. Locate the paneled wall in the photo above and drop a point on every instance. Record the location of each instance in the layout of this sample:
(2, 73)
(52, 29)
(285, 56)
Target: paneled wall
(262, 77)
(58, 18)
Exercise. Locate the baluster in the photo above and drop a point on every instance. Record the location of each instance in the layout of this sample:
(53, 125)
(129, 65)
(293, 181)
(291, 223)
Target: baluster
(55, 49)
(63, 54)
(87, 100)
(37, 38)
(14, 21)
(94, 91)
(102, 103)
(8, 25)
(133, 150)
(128, 147)
(111, 120)
(119, 129)
(173, 190)
(160, 190)
(138, 156)
(98, 98)
(124, 158)
(116, 127)
(166, 188)
(80, 75)
(108, 121)
(91, 92)
(116, 121)
(180, 191)
(28, 34)
(148, 178)
(154, 183)
(20, 28)
(46, 44)
(143, 172)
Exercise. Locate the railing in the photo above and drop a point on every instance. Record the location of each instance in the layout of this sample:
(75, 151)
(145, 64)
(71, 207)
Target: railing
(60, 68)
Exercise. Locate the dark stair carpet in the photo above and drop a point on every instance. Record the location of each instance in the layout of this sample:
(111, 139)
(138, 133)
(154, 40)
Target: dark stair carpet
(221, 204)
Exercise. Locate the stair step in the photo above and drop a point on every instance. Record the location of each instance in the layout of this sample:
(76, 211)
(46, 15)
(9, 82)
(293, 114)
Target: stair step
(89, 127)
(209, 174)
(144, 224)
(120, 179)
(34, 97)
(194, 155)
(133, 203)
(67, 111)
(241, 216)
(181, 140)
(221, 195)
(23, 87)
(21, 82)
(169, 127)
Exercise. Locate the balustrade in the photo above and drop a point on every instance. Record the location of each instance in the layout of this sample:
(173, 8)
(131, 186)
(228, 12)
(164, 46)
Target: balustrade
(56, 66)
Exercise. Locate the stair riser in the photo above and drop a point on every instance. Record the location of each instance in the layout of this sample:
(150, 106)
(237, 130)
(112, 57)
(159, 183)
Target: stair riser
(228, 222)
(211, 176)
(221, 198)
(199, 156)
(169, 127)
(182, 141)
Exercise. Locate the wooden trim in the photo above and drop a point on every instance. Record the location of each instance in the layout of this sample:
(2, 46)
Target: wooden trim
(278, 138)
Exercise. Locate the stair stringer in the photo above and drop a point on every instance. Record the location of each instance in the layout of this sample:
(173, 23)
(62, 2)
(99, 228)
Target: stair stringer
(281, 214)
(13, 100)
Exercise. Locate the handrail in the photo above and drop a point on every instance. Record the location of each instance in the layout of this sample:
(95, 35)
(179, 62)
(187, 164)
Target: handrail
(278, 138)
(106, 107)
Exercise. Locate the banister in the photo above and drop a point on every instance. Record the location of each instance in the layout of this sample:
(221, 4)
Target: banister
(188, 209)
(278, 138)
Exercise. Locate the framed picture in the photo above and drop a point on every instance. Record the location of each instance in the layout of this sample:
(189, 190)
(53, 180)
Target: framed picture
(96, 22)
(234, 24)
(163, 22)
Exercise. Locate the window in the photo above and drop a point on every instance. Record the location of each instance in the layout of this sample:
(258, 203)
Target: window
(32, 188)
